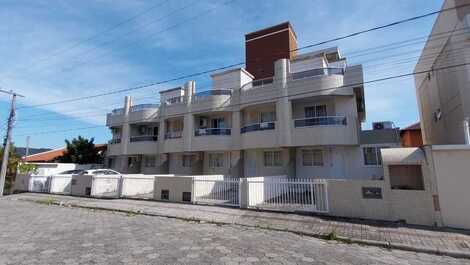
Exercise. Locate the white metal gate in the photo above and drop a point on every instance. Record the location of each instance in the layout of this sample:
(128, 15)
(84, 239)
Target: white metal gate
(220, 191)
(284, 194)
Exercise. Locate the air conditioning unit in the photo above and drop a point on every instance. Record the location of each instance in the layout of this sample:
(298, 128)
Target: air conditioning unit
(382, 125)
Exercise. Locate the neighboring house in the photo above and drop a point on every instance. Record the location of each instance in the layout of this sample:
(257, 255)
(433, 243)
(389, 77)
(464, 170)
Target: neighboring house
(298, 115)
(411, 136)
(444, 95)
(52, 155)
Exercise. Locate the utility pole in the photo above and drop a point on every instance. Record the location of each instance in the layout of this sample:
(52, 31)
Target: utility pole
(6, 147)
(27, 147)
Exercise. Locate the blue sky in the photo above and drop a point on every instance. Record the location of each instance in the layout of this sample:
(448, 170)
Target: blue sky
(53, 50)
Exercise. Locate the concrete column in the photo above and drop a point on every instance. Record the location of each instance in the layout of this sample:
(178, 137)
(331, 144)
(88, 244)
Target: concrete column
(125, 133)
(236, 124)
(244, 196)
(283, 105)
(236, 164)
(188, 126)
(162, 127)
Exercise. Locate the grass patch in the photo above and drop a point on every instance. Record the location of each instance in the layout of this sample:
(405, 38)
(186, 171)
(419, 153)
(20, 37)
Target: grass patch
(47, 201)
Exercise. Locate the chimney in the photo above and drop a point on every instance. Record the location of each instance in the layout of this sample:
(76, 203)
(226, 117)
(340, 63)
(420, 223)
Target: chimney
(265, 46)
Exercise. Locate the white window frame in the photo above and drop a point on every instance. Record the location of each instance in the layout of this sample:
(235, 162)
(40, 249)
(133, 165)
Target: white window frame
(378, 155)
(271, 161)
(313, 154)
(216, 160)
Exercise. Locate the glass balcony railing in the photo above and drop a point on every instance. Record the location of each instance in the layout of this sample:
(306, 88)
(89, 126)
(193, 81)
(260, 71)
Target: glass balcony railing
(144, 138)
(119, 111)
(212, 131)
(258, 83)
(114, 141)
(317, 72)
(258, 127)
(174, 135)
(214, 92)
(143, 107)
(321, 121)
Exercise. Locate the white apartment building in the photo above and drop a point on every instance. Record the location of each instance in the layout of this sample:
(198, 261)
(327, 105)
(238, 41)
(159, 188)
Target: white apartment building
(304, 121)
(443, 93)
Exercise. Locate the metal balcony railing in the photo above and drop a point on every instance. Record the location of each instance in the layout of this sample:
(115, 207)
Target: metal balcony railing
(212, 131)
(321, 121)
(144, 138)
(174, 135)
(214, 92)
(317, 72)
(143, 107)
(114, 141)
(258, 127)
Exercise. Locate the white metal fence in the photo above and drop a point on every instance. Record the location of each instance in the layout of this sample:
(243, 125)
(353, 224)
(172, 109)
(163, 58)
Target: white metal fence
(216, 190)
(281, 193)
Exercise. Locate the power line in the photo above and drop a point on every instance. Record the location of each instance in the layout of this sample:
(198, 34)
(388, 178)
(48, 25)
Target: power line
(242, 63)
(277, 97)
(99, 34)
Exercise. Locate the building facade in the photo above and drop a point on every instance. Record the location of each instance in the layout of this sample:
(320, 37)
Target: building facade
(443, 93)
(304, 121)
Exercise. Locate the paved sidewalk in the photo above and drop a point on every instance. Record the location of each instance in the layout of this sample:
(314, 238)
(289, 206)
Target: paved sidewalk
(454, 243)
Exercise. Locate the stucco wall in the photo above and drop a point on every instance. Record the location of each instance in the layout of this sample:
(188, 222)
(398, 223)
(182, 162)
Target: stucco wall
(451, 165)
(176, 186)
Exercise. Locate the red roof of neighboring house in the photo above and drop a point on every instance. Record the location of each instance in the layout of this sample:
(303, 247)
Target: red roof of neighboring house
(51, 155)
(414, 126)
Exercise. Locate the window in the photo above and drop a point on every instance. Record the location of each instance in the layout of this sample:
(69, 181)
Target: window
(216, 160)
(149, 161)
(267, 116)
(111, 162)
(165, 195)
(218, 123)
(315, 111)
(272, 159)
(312, 158)
(188, 160)
(372, 155)
(406, 177)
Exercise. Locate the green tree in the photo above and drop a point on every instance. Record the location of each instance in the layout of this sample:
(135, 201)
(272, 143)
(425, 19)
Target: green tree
(81, 151)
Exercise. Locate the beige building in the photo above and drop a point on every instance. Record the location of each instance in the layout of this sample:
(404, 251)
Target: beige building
(444, 95)
(304, 121)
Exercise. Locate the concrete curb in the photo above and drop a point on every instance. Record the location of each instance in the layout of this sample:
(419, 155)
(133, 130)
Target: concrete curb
(346, 240)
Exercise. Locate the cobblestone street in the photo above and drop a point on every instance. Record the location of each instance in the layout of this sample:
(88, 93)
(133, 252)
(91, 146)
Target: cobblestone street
(32, 233)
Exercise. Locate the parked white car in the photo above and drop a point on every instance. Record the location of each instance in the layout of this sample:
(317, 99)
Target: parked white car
(61, 183)
(100, 183)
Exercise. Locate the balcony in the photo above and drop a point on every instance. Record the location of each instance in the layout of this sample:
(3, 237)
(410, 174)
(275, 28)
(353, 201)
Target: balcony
(114, 141)
(144, 138)
(210, 99)
(212, 131)
(223, 141)
(141, 107)
(174, 135)
(259, 90)
(115, 117)
(317, 72)
(321, 121)
(327, 130)
(258, 127)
